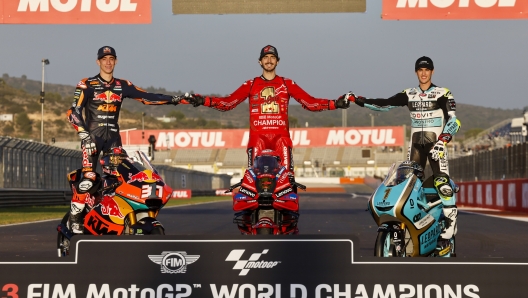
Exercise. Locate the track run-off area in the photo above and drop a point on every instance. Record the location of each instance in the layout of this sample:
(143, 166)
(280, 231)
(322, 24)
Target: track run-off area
(481, 234)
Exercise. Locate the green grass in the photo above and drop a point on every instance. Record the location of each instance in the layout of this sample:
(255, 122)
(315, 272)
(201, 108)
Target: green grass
(11, 215)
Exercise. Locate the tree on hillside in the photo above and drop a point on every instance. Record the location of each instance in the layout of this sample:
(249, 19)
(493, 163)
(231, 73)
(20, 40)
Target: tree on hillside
(23, 124)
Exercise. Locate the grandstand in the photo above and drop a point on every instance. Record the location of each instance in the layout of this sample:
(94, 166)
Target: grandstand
(316, 161)
(311, 161)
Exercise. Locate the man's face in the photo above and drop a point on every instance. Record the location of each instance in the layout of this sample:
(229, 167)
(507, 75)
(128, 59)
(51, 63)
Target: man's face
(107, 64)
(269, 62)
(424, 75)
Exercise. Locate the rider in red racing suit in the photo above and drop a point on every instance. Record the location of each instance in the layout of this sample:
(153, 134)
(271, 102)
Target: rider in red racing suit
(101, 97)
(269, 96)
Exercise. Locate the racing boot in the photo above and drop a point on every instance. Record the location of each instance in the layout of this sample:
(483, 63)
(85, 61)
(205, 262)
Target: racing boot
(450, 226)
(77, 218)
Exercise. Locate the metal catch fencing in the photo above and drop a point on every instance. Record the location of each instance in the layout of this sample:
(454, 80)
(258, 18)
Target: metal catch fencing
(498, 164)
(31, 165)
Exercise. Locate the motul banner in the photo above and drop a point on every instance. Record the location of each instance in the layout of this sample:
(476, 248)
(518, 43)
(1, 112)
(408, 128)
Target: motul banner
(238, 138)
(75, 11)
(454, 9)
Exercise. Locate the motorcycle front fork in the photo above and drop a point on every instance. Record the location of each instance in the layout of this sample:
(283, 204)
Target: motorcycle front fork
(398, 239)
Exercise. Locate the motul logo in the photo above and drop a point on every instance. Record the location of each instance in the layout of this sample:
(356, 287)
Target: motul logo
(182, 194)
(84, 5)
(459, 3)
(360, 136)
(454, 9)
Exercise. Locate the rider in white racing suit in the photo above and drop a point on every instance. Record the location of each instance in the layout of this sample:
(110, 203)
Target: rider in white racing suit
(433, 124)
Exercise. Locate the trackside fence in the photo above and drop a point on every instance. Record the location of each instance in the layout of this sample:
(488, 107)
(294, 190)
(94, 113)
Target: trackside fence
(498, 164)
(32, 173)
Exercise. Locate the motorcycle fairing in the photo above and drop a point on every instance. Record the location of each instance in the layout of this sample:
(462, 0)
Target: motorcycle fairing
(97, 224)
(401, 203)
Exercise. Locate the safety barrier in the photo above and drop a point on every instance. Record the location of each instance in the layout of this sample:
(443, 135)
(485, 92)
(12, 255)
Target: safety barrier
(31, 165)
(34, 197)
(506, 195)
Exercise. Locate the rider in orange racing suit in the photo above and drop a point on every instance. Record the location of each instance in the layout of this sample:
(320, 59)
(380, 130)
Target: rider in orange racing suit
(269, 96)
(101, 97)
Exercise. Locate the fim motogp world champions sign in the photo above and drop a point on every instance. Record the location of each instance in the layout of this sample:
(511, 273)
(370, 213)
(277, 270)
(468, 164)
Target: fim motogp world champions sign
(251, 267)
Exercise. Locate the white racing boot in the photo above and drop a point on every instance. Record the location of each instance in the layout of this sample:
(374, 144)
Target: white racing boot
(450, 228)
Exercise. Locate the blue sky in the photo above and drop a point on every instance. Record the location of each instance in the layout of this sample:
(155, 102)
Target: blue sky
(482, 62)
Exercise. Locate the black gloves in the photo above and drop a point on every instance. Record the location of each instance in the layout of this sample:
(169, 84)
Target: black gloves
(195, 99)
(176, 100)
(360, 101)
(87, 143)
(343, 102)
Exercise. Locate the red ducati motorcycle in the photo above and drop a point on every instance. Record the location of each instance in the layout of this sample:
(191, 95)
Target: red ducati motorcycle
(267, 200)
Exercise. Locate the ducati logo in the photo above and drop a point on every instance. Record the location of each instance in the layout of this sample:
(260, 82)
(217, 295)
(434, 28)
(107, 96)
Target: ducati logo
(174, 261)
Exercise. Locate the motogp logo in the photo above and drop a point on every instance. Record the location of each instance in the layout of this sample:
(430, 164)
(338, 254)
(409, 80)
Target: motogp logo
(245, 265)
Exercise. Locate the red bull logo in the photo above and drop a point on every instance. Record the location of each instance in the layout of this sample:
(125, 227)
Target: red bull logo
(144, 176)
(108, 97)
(110, 207)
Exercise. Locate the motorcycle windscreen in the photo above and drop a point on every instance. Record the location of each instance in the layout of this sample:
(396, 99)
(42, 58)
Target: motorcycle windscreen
(398, 174)
(266, 165)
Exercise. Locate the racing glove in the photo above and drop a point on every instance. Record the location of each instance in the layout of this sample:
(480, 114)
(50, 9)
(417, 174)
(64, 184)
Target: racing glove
(87, 143)
(195, 99)
(343, 101)
(438, 150)
(176, 100)
(360, 101)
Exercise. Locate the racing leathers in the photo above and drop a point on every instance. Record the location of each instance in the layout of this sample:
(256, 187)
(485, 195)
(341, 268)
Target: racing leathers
(268, 113)
(433, 125)
(99, 130)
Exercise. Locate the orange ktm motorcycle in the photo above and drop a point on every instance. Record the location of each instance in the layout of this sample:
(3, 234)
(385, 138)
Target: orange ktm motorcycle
(127, 202)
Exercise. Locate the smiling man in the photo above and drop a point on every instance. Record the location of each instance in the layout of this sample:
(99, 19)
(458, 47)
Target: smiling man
(433, 124)
(101, 97)
(269, 96)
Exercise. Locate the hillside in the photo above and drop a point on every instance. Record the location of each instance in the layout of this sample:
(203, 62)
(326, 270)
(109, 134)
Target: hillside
(20, 96)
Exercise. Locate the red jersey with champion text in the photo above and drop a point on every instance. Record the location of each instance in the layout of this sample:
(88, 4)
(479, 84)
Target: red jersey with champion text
(268, 103)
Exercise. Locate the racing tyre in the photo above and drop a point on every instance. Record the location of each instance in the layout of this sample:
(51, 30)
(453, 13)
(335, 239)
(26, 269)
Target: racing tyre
(63, 244)
(384, 246)
(264, 231)
(158, 231)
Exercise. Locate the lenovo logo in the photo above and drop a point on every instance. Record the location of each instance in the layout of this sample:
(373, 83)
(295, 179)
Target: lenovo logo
(83, 5)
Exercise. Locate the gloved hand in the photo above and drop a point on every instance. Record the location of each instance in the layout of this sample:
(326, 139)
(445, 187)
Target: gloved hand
(195, 99)
(176, 99)
(438, 150)
(87, 143)
(343, 102)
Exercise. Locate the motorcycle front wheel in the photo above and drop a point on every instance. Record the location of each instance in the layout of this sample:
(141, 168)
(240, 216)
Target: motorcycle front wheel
(63, 243)
(158, 231)
(264, 231)
(385, 247)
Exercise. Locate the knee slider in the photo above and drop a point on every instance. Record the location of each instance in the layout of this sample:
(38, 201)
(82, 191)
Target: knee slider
(443, 186)
(89, 182)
